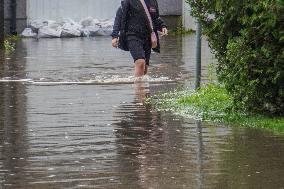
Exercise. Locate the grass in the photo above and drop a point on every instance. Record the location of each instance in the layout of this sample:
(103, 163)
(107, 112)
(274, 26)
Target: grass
(8, 46)
(182, 31)
(212, 103)
(10, 42)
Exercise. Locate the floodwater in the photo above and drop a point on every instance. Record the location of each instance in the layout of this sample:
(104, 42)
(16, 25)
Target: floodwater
(72, 117)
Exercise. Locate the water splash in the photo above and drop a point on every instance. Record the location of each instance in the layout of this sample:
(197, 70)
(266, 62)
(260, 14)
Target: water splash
(97, 80)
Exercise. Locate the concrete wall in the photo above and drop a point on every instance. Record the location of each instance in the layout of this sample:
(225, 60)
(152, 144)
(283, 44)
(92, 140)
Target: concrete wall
(7, 16)
(21, 15)
(175, 12)
(170, 7)
(74, 9)
(188, 21)
(78, 9)
(171, 11)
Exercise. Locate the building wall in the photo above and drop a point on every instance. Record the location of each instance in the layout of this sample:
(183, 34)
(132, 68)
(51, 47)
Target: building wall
(101, 9)
(21, 15)
(176, 12)
(73, 9)
(171, 11)
(188, 21)
(7, 16)
(170, 7)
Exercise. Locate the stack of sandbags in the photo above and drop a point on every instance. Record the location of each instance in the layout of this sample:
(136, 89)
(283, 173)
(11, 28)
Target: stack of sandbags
(28, 32)
(71, 29)
(50, 30)
(105, 27)
(68, 28)
(89, 26)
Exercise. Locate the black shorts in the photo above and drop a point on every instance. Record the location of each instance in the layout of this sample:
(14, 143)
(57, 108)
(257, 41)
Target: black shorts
(140, 49)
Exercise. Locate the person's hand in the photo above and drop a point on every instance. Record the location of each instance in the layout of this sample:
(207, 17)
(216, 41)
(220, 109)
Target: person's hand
(164, 31)
(114, 42)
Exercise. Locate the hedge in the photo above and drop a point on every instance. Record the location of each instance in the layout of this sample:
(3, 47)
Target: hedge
(247, 37)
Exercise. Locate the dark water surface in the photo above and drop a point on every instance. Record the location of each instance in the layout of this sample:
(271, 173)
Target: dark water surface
(71, 117)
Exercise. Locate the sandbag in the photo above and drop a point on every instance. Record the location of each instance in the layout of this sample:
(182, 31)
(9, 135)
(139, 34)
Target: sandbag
(106, 28)
(28, 32)
(36, 24)
(106, 31)
(49, 32)
(89, 21)
(70, 30)
(90, 31)
(89, 27)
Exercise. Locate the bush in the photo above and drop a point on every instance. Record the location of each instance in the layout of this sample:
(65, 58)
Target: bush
(10, 42)
(247, 38)
(8, 46)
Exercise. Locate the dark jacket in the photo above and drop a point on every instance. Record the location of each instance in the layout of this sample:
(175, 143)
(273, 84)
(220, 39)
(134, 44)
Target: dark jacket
(117, 22)
(131, 20)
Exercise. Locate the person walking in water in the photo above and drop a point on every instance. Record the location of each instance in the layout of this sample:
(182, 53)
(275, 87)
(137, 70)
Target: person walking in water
(137, 22)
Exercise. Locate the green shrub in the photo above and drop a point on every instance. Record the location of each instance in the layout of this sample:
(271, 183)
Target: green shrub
(247, 38)
(10, 42)
(8, 46)
(181, 29)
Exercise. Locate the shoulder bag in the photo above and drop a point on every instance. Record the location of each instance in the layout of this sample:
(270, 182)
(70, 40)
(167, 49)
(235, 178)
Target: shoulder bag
(154, 40)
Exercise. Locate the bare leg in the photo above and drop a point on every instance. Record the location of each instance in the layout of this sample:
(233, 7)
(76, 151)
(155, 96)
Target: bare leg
(146, 69)
(139, 67)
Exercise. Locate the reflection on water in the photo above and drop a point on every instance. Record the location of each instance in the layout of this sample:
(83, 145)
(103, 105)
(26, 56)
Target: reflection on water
(64, 133)
(13, 124)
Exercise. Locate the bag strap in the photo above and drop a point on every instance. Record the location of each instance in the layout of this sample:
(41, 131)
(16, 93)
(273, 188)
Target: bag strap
(148, 14)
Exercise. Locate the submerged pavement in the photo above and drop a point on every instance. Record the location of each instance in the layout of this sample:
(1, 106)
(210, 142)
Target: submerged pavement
(72, 117)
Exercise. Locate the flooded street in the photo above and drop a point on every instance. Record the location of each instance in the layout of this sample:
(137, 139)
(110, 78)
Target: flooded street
(72, 117)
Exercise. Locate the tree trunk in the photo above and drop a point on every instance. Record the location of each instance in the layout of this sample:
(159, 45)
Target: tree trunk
(1, 24)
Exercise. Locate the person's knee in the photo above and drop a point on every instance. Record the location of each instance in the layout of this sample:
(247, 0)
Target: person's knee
(140, 63)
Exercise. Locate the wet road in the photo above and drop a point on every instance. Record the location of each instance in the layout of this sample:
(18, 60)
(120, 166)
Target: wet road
(71, 117)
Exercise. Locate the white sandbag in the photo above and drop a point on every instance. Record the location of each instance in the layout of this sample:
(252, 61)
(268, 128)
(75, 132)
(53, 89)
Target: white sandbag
(89, 21)
(106, 28)
(90, 26)
(104, 31)
(49, 32)
(28, 32)
(36, 24)
(106, 23)
(54, 25)
(90, 31)
(85, 32)
(96, 21)
(72, 22)
(71, 30)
